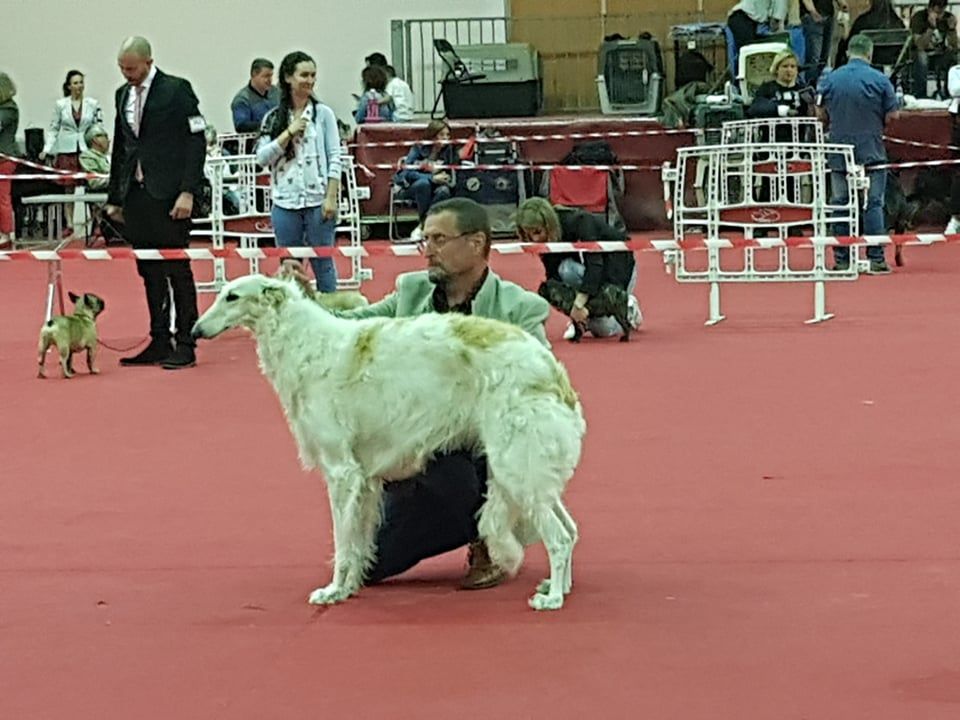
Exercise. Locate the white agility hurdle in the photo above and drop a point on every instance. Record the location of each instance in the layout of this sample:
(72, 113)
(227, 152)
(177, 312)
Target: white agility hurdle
(769, 193)
(243, 177)
(797, 130)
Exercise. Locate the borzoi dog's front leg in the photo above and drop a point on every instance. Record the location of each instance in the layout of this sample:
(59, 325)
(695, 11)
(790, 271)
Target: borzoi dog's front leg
(355, 509)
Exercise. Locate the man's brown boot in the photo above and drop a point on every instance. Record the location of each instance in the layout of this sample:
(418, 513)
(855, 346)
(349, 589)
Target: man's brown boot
(482, 573)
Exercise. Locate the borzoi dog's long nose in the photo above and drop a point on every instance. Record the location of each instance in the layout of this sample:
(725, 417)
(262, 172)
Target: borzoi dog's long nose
(197, 332)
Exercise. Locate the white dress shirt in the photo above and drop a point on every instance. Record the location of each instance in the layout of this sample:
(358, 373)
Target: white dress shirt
(131, 106)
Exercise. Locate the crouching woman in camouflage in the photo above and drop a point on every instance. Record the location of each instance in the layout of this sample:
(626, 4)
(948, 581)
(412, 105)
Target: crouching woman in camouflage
(594, 289)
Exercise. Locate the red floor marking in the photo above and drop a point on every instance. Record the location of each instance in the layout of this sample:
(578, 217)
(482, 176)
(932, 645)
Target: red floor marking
(768, 515)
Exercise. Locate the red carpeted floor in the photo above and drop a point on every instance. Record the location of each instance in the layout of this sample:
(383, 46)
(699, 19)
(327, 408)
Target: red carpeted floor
(769, 518)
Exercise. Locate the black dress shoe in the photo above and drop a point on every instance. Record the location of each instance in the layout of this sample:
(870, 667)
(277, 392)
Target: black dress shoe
(154, 354)
(182, 357)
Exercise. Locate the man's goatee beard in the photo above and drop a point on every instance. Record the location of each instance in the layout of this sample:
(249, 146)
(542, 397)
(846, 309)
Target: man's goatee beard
(438, 276)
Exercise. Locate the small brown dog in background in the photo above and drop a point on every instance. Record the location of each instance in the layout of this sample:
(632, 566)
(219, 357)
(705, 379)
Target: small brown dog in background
(72, 333)
(334, 301)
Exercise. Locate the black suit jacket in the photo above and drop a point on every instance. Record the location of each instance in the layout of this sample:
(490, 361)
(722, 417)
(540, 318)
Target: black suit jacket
(170, 152)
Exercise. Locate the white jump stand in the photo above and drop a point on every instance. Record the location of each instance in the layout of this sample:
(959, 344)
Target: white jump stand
(770, 193)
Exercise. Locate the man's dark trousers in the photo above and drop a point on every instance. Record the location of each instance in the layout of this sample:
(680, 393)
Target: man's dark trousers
(149, 225)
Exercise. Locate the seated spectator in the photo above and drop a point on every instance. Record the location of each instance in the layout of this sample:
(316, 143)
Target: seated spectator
(418, 178)
(587, 274)
(398, 92)
(96, 157)
(251, 104)
(934, 34)
(783, 96)
(881, 16)
(746, 17)
(373, 106)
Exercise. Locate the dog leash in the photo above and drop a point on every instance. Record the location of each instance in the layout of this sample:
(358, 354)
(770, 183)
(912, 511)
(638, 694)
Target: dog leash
(124, 349)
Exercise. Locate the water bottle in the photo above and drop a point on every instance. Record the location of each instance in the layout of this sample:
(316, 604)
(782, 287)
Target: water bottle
(899, 93)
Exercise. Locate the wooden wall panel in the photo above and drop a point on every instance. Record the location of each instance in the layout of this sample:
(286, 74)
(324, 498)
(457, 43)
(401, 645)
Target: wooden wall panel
(568, 33)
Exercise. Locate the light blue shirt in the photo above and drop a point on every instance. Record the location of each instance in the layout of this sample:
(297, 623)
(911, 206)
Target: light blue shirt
(301, 181)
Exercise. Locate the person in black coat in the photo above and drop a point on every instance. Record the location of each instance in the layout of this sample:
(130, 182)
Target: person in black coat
(784, 96)
(592, 288)
(156, 171)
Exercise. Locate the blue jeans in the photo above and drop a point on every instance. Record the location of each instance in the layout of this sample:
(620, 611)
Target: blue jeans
(817, 37)
(424, 191)
(873, 222)
(306, 227)
(921, 66)
(571, 273)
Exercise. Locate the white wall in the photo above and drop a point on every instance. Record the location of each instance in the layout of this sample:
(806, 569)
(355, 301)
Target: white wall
(209, 42)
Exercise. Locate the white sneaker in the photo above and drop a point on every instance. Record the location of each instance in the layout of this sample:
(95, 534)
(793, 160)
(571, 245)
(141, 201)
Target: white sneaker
(4, 239)
(953, 227)
(569, 332)
(634, 315)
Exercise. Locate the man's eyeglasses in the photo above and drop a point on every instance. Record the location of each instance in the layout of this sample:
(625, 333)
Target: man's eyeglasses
(438, 241)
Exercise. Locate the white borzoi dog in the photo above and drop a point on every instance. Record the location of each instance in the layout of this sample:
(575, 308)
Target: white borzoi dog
(370, 401)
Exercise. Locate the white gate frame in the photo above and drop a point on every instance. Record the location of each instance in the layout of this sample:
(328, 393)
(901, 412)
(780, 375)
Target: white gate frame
(795, 177)
(239, 174)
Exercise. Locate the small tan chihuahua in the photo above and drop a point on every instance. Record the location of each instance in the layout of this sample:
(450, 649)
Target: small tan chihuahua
(72, 333)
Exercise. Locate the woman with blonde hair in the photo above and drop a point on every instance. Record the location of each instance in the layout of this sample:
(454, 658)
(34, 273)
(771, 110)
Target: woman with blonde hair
(578, 281)
(9, 121)
(419, 177)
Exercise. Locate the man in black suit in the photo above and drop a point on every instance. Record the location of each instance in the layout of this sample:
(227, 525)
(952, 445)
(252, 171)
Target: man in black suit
(157, 168)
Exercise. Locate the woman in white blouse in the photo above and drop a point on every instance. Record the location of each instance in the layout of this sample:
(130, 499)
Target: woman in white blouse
(300, 143)
(72, 115)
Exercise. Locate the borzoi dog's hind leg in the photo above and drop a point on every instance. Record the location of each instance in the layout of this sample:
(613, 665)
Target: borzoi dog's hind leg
(571, 527)
(532, 449)
(559, 544)
(355, 510)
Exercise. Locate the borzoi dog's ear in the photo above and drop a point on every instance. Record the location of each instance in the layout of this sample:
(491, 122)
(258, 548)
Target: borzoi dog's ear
(73, 297)
(275, 296)
(240, 303)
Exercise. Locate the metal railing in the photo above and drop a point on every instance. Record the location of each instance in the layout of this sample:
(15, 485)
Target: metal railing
(568, 48)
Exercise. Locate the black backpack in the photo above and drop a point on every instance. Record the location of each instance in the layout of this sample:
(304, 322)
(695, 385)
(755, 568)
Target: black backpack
(692, 66)
(591, 152)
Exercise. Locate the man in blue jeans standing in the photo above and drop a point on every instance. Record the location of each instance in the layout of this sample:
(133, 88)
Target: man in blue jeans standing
(858, 101)
(816, 17)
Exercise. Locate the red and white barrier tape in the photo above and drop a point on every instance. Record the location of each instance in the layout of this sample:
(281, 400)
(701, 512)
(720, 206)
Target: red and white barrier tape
(538, 137)
(518, 166)
(917, 143)
(50, 173)
(917, 163)
(53, 178)
(502, 248)
(29, 163)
